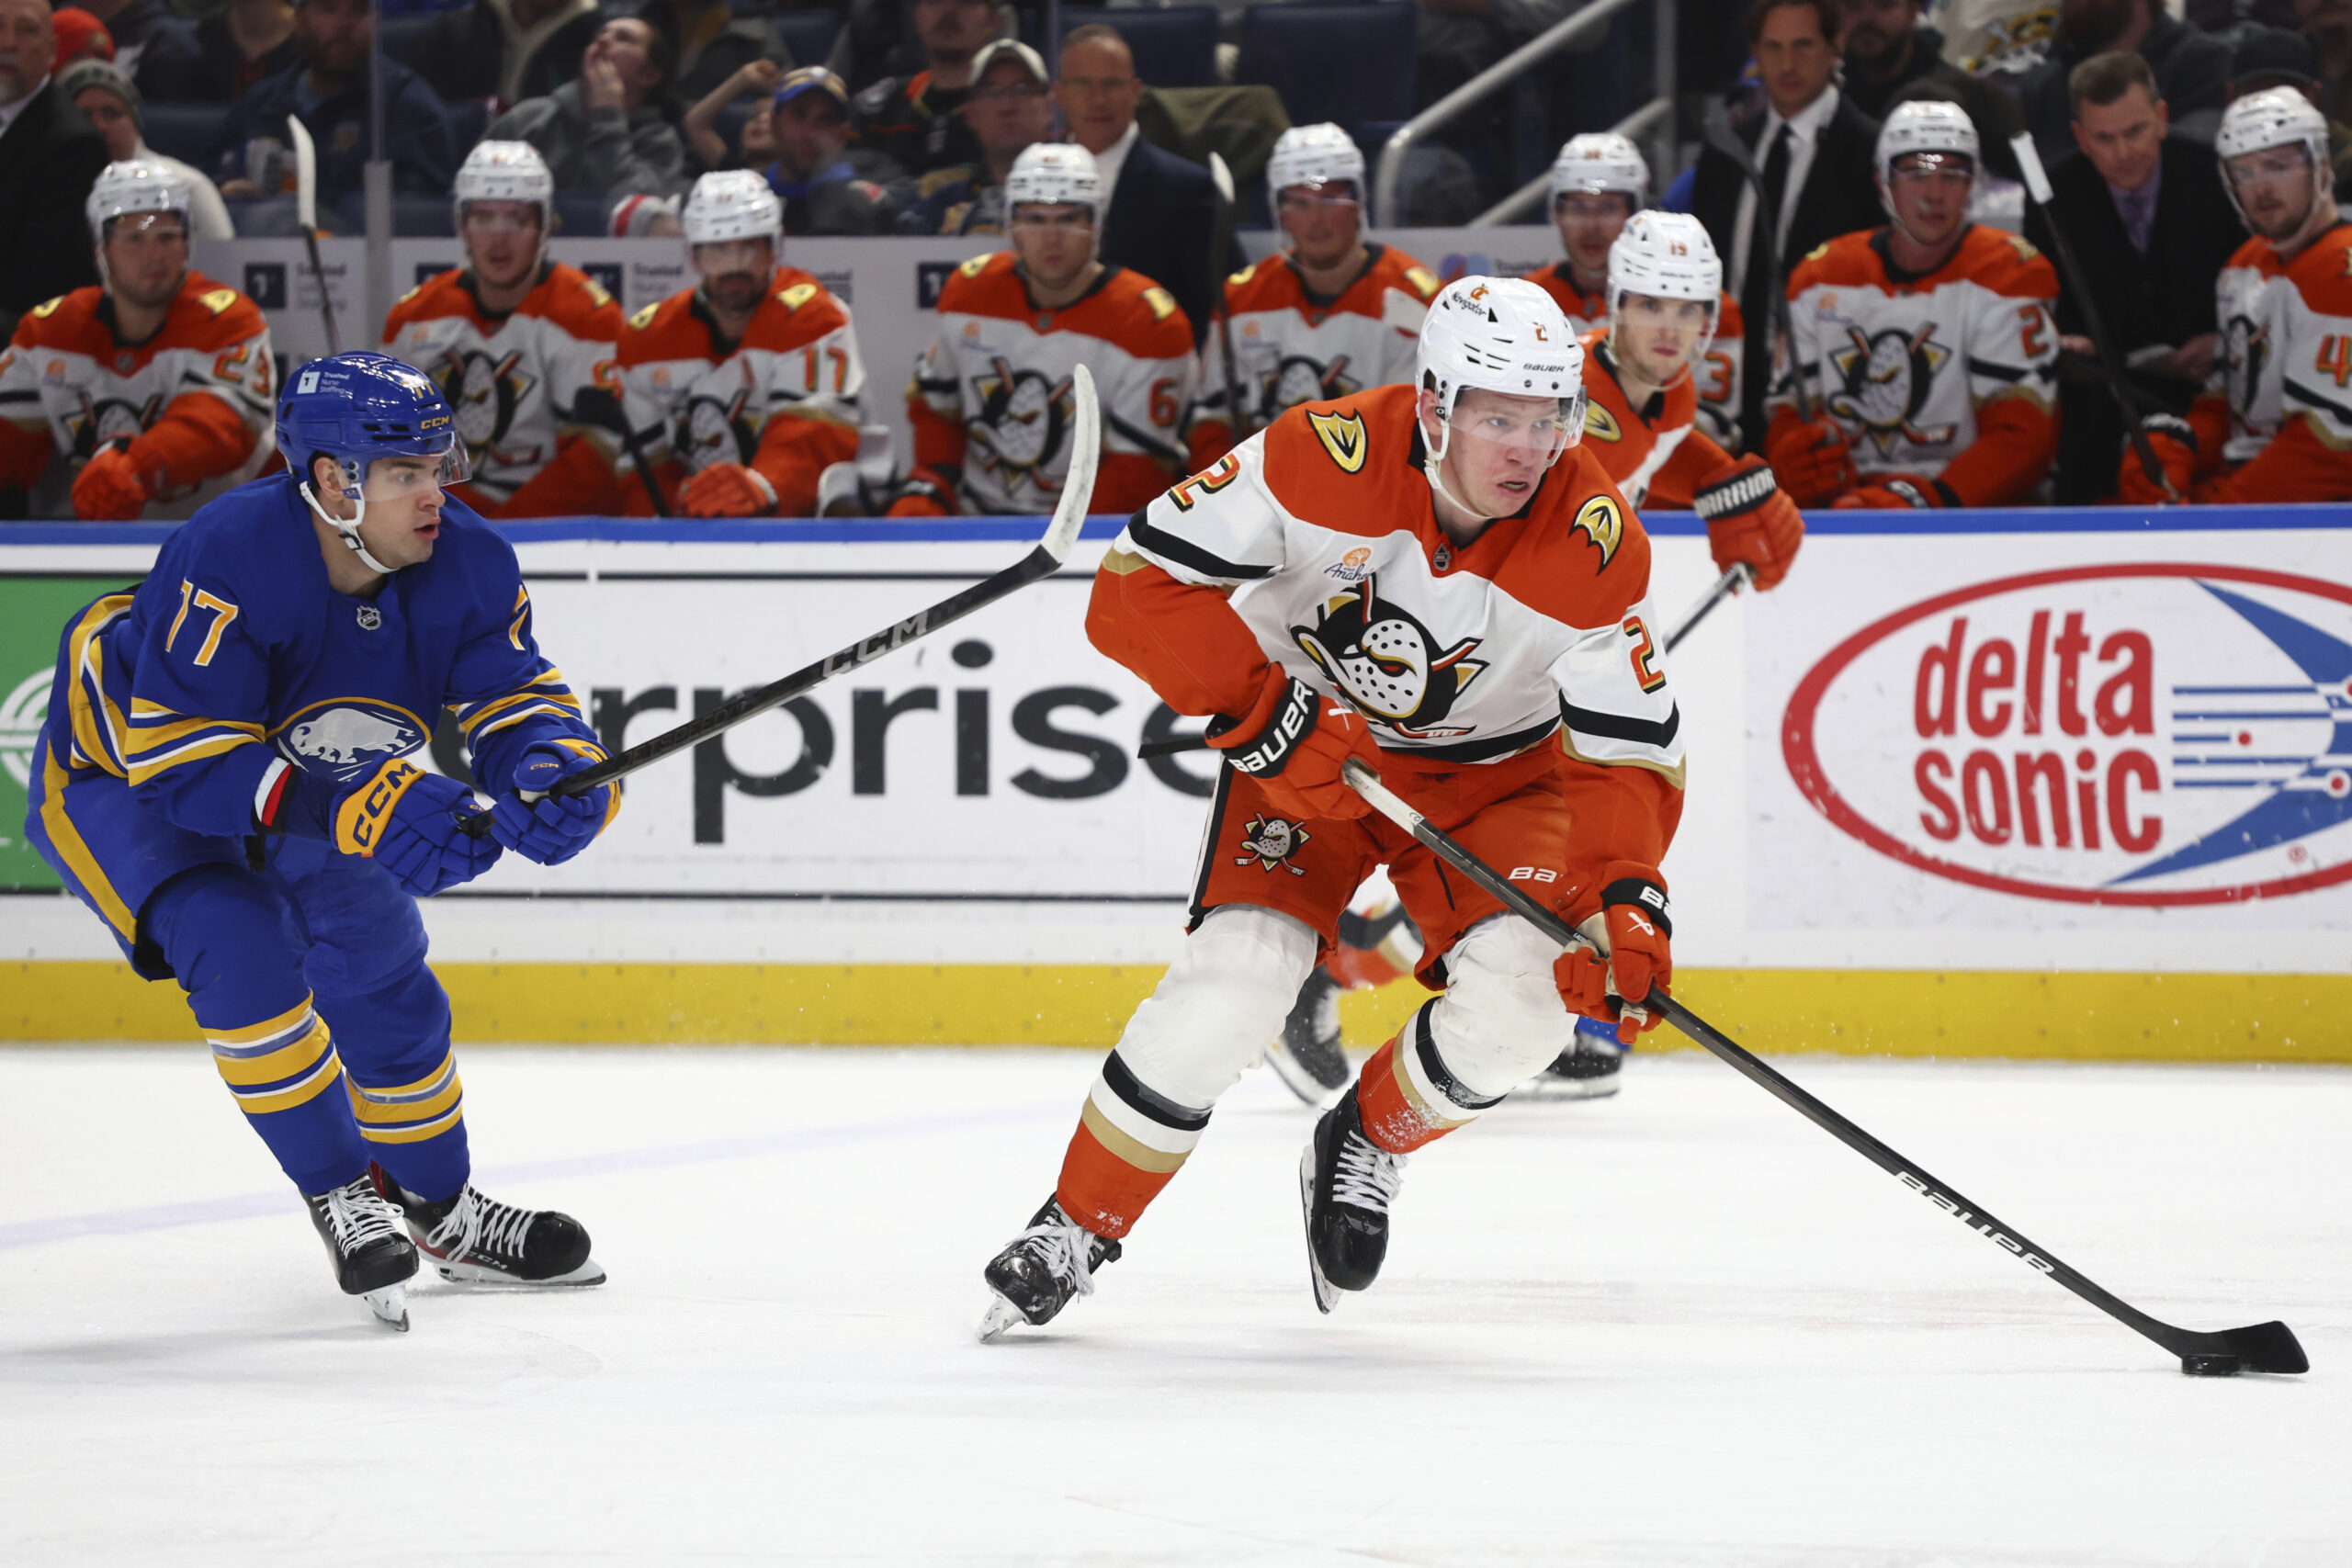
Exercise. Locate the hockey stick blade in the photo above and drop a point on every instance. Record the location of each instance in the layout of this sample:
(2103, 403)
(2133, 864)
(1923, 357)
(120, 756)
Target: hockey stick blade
(1042, 561)
(306, 214)
(2260, 1347)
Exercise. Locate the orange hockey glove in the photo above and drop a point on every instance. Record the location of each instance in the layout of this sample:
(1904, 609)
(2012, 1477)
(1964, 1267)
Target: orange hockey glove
(1809, 459)
(108, 489)
(727, 490)
(1293, 743)
(1751, 520)
(1635, 927)
(2175, 444)
(923, 494)
(1895, 492)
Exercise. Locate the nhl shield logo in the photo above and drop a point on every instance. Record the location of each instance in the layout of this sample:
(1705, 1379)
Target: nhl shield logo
(1270, 841)
(371, 617)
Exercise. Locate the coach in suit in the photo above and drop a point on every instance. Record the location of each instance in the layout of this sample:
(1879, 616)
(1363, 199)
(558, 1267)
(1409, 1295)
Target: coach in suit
(1814, 150)
(50, 157)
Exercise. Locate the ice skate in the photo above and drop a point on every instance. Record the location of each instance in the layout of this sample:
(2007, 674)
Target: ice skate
(1046, 1265)
(1592, 1067)
(475, 1240)
(1346, 1183)
(372, 1260)
(1307, 1056)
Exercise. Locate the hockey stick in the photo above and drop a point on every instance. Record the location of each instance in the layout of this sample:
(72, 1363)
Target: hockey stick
(598, 407)
(2259, 1348)
(1715, 127)
(1051, 550)
(2111, 369)
(306, 214)
(1221, 242)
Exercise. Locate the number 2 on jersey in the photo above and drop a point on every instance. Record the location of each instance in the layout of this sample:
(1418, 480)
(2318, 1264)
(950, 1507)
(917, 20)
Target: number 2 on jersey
(1644, 655)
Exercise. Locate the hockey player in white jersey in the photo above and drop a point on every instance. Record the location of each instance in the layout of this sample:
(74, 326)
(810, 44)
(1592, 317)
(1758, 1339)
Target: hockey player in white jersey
(149, 393)
(513, 339)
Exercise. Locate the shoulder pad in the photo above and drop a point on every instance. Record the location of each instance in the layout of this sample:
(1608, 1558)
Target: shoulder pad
(644, 318)
(799, 294)
(975, 266)
(1162, 303)
(1423, 280)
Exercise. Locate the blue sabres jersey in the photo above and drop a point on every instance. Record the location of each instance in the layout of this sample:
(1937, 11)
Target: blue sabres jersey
(236, 652)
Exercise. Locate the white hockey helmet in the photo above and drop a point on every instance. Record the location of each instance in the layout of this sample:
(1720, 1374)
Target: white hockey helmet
(735, 203)
(1498, 334)
(1315, 156)
(505, 171)
(135, 185)
(1925, 125)
(1055, 173)
(1601, 161)
(1667, 255)
(2276, 117)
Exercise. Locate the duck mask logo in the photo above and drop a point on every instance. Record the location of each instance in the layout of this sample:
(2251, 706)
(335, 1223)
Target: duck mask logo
(1388, 663)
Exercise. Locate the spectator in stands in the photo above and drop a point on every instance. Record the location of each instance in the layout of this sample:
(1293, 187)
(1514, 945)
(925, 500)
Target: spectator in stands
(710, 42)
(876, 39)
(1011, 108)
(2273, 57)
(107, 98)
(230, 50)
(912, 119)
(608, 131)
(50, 156)
(1162, 209)
(142, 32)
(809, 123)
(2146, 214)
(2328, 24)
(755, 142)
(2192, 69)
(506, 50)
(1887, 51)
(328, 92)
(1813, 149)
(80, 36)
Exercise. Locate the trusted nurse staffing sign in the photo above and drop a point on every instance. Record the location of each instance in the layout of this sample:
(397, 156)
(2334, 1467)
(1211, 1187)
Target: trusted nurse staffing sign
(2146, 734)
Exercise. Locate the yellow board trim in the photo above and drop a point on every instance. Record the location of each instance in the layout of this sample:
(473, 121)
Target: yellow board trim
(2079, 1017)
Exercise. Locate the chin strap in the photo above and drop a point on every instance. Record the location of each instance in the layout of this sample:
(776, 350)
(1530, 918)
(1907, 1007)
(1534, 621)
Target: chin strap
(350, 530)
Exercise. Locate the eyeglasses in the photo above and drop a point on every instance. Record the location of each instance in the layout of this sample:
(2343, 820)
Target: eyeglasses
(1101, 87)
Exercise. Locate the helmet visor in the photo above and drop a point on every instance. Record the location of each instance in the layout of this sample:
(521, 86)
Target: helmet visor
(1539, 429)
(402, 476)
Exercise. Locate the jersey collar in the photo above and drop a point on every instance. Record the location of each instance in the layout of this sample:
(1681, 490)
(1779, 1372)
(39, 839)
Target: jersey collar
(1325, 301)
(1882, 243)
(1648, 412)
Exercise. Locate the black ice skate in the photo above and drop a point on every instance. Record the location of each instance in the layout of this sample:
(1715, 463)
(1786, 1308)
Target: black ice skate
(475, 1240)
(1592, 1067)
(372, 1260)
(1346, 1183)
(1046, 1265)
(1307, 1058)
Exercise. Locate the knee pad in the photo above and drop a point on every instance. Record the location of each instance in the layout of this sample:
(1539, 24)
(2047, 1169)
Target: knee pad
(1219, 1004)
(1502, 1017)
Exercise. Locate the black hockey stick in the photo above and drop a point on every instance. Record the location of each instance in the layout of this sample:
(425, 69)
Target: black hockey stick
(1221, 242)
(1051, 550)
(598, 407)
(2259, 1348)
(2111, 369)
(1715, 127)
(306, 213)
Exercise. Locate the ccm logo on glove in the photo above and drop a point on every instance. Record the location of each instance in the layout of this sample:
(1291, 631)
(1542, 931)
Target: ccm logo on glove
(359, 821)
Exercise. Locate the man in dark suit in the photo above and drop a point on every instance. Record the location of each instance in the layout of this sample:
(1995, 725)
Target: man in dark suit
(1163, 208)
(50, 156)
(2146, 214)
(1813, 149)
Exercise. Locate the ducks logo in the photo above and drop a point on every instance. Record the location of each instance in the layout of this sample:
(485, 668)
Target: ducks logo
(1270, 841)
(1883, 382)
(1388, 664)
(1024, 420)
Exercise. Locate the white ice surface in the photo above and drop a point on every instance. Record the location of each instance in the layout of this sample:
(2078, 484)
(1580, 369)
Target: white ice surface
(1678, 1327)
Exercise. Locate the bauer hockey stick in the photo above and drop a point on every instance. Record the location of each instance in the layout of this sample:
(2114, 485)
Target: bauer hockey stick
(2259, 1348)
(306, 214)
(1042, 561)
(1220, 242)
(2111, 369)
(1715, 127)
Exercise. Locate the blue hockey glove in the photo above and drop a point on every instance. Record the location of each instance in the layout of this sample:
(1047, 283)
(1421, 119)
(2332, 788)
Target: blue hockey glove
(405, 819)
(554, 828)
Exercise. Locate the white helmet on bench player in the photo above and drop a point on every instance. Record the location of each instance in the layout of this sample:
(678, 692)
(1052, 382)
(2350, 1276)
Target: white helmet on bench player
(133, 185)
(2276, 117)
(1313, 156)
(735, 203)
(1053, 173)
(1923, 125)
(505, 171)
(1665, 256)
(1601, 161)
(1498, 334)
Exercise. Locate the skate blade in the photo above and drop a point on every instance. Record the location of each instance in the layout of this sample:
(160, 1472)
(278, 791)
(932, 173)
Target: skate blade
(1326, 1294)
(1551, 1086)
(1300, 1082)
(1001, 1315)
(389, 1306)
(589, 1273)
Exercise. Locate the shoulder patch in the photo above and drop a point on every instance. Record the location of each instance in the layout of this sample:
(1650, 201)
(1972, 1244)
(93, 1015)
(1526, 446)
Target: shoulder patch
(2023, 246)
(799, 294)
(975, 266)
(1162, 303)
(407, 297)
(598, 295)
(644, 318)
(1423, 280)
(1343, 438)
(1603, 523)
(217, 300)
(1601, 425)
(49, 306)
(1241, 279)
(1817, 252)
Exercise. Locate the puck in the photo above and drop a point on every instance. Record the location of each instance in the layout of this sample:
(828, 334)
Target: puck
(2210, 1364)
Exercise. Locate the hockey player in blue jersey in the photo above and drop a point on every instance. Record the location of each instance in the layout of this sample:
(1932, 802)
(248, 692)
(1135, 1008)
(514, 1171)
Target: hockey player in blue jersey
(222, 777)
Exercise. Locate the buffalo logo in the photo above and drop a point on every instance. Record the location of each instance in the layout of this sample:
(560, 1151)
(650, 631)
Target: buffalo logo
(1270, 841)
(1885, 379)
(1354, 567)
(371, 617)
(1601, 523)
(343, 740)
(1601, 425)
(1298, 379)
(1025, 421)
(1342, 435)
(485, 393)
(1388, 664)
(2246, 349)
(103, 420)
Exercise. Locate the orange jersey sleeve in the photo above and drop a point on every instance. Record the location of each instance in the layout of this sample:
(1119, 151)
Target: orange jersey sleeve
(578, 483)
(2298, 465)
(2017, 440)
(1182, 639)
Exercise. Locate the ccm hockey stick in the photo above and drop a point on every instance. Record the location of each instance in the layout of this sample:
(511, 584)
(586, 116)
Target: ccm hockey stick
(2111, 369)
(1221, 242)
(306, 214)
(1042, 561)
(2259, 1348)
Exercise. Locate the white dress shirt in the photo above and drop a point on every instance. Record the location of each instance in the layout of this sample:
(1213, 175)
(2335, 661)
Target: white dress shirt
(1113, 158)
(1804, 139)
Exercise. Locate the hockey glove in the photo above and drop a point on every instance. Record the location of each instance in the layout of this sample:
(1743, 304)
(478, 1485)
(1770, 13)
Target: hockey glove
(1895, 492)
(923, 494)
(1293, 743)
(1633, 933)
(554, 828)
(2169, 436)
(108, 489)
(1751, 521)
(1809, 460)
(727, 490)
(405, 819)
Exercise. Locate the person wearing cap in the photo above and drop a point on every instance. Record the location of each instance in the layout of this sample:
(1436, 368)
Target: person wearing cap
(913, 120)
(809, 123)
(141, 34)
(80, 36)
(1010, 108)
(149, 392)
(50, 155)
(107, 98)
(609, 131)
(2146, 214)
(2276, 57)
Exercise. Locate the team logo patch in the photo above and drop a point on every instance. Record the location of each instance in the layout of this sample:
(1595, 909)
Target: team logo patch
(1388, 664)
(1270, 841)
(371, 617)
(1601, 425)
(1883, 382)
(1354, 567)
(716, 430)
(101, 420)
(1025, 421)
(1604, 523)
(2246, 350)
(344, 737)
(1343, 438)
(485, 393)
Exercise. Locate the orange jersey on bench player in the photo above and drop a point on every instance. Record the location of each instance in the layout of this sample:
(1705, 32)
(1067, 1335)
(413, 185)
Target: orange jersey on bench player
(990, 399)
(1716, 377)
(2275, 423)
(1291, 347)
(197, 401)
(784, 401)
(511, 379)
(1657, 455)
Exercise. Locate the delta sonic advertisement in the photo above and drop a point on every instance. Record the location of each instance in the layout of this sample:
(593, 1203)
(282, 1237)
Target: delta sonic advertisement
(2134, 730)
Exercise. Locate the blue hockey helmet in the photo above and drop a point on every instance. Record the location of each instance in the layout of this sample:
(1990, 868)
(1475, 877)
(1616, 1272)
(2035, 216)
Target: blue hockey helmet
(356, 408)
